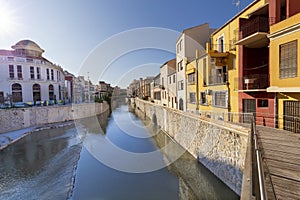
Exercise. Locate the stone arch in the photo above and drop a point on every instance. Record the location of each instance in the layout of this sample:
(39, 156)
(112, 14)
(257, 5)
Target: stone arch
(36, 92)
(16, 89)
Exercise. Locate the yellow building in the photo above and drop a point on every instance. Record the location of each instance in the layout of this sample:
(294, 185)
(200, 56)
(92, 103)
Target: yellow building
(284, 62)
(224, 89)
(191, 88)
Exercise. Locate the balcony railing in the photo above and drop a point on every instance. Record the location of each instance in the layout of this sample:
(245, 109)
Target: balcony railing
(252, 82)
(218, 79)
(258, 24)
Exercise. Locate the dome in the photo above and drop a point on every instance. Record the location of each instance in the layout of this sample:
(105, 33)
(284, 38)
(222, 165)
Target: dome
(29, 46)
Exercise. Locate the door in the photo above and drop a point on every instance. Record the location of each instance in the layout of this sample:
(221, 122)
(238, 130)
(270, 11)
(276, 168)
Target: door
(249, 106)
(291, 116)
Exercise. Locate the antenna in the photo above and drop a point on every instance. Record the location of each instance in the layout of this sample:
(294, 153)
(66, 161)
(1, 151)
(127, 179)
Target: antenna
(237, 3)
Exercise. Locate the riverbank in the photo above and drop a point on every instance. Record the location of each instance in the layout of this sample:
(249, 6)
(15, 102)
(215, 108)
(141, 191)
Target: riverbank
(11, 137)
(20, 118)
(18, 123)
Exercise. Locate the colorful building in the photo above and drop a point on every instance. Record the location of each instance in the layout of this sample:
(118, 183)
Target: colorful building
(253, 64)
(238, 69)
(189, 41)
(284, 62)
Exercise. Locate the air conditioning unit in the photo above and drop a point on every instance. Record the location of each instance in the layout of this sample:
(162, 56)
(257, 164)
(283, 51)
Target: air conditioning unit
(208, 92)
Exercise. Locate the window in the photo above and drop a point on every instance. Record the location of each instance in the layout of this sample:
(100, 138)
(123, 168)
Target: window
(220, 99)
(16, 92)
(180, 67)
(170, 79)
(19, 71)
(192, 97)
(10, 58)
(51, 92)
(162, 83)
(203, 99)
(221, 44)
(191, 78)
(157, 96)
(29, 60)
(288, 60)
(48, 74)
(180, 85)
(36, 92)
(1, 97)
(52, 74)
(11, 71)
(262, 103)
(32, 72)
(38, 73)
(179, 46)
(174, 79)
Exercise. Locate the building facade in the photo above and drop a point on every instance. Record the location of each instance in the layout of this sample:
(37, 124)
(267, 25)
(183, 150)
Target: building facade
(26, 76)
(168, 94)
(284, 62)
(189, 41)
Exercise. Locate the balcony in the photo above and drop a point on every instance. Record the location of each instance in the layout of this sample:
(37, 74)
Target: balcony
(253, 32)
(220, 79)
(252, 83)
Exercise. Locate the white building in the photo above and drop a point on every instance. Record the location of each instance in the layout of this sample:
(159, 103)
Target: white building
(189, 41)
(168, 83)
(26, 76)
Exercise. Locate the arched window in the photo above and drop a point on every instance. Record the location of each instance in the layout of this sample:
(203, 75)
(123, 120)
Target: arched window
(36, 92)
(51, 92)
(59, 92)
(16, 92)
(180, 104)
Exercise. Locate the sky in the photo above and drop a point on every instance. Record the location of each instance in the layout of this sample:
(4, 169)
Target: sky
(111, 40)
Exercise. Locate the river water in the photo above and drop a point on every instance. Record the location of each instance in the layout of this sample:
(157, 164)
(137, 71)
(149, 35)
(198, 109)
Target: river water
(80, 162)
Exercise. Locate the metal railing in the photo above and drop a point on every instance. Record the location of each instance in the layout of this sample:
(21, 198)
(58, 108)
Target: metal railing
(257, 24)
(258, 178)
(252, 82)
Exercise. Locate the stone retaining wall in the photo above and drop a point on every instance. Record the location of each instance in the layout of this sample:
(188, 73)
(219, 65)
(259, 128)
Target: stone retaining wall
(218, 145)
(18, 118)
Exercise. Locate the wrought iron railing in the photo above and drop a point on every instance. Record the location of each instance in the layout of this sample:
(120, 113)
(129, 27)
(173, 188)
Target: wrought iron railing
(257, 24)
(252, 82)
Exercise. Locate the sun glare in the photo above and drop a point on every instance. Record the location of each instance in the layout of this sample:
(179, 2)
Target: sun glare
(8, 21)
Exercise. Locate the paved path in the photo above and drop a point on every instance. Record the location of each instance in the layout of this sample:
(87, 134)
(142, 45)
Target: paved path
(281, 153)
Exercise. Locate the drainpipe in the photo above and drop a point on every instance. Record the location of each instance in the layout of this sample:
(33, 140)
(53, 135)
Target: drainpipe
(275, 111)
(197, 87)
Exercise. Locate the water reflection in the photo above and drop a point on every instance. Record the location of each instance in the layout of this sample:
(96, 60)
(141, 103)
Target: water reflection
(195, 180)
(40, 166)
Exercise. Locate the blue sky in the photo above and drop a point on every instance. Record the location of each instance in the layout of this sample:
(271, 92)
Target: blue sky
(70, 30)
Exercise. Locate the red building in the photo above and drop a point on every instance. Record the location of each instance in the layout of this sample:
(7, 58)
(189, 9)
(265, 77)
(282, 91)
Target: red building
(254, 70)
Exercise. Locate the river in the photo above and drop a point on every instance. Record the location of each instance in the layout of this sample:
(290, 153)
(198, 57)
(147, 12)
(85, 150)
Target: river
(85, 161)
